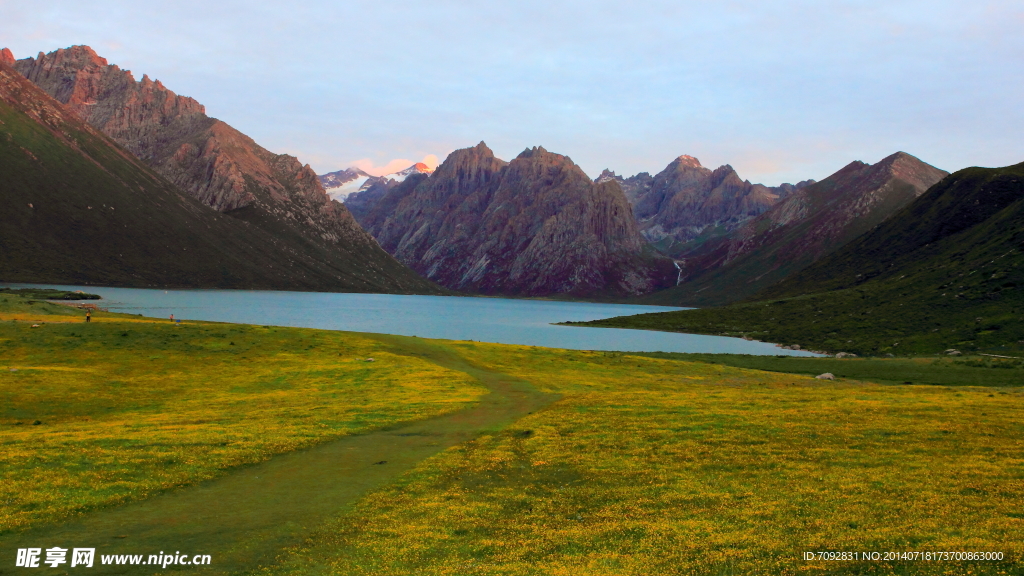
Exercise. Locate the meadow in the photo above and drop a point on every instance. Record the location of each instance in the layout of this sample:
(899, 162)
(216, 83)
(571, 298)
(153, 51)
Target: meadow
(652, 466)
(98, 414)
(646, 465)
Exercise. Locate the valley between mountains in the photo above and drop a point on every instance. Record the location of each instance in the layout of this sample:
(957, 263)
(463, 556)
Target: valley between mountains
(117, 181)
(280, 450)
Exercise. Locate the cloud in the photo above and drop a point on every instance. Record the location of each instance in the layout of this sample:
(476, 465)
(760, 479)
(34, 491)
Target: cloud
(367, 165)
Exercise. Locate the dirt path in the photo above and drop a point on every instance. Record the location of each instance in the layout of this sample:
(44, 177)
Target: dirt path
(243, 519)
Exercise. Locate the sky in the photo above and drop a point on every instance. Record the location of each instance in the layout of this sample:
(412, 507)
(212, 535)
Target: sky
(783, 91)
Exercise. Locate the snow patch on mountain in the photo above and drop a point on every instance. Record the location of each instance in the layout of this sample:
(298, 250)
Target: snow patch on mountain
(417, 168)
(342, 183)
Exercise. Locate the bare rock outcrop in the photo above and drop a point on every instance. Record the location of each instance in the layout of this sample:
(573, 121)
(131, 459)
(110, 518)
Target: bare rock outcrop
(809, 224)
(81, 209)
(534, 226)
(206, 157)
(687, 200)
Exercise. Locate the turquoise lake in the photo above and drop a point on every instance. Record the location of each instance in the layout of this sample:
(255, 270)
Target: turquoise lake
(501, 320)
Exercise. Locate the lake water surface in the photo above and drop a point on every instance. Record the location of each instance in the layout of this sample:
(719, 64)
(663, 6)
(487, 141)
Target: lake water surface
(500, 320)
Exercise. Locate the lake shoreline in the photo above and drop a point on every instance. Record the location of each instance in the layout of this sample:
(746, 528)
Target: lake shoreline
(531, 322)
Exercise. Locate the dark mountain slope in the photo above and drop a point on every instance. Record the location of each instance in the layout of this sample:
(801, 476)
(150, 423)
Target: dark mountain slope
(80, 209)
(535, 226)
(967, 217)
(812, 222)
(945, 272)
(215, 163)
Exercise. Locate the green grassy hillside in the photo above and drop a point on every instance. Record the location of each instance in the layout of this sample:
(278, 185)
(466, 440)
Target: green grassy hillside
(963, 237)
(945, 272)
(813, 222)
(78, 209)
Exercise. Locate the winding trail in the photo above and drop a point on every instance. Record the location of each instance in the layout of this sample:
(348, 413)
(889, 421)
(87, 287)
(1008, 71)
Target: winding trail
(245, 518)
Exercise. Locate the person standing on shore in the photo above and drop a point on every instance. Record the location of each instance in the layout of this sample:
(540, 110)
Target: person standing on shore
(172, 317)
(88, 315)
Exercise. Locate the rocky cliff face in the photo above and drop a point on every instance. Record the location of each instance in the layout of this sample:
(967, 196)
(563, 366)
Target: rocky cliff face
(633, 187)
(534, 226)
(80, 209)
(686, 200)
(811, 222)
(216, 164)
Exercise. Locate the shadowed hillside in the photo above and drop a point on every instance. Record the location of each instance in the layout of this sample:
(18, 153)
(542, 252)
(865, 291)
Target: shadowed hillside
(944, 273)
(278, 198)
(80, 209)
(809, 224)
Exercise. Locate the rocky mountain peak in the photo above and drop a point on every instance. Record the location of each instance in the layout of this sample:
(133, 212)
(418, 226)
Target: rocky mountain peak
(339, 177)
(687, 160)
(812, 221)
(899, 159)
(687, 200)
(63, 170)
(534, 226)
(854, 166)
(417, 168)
(469, 160)
(722, 173)
(535, 151)
(212, 161)
(6, 57)
(911, 170)
(106, 96)
(633, 187)
(79, 54)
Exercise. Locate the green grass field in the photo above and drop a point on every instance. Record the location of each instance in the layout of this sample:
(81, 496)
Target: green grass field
(97, 414)
(944, 371)
(646, 465)
(652, 466)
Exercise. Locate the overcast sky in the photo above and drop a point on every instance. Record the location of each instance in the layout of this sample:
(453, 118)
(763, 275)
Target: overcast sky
(782, 90)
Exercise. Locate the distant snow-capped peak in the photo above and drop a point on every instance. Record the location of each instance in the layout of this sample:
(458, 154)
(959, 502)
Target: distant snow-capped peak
(341, 183)
(417, 168)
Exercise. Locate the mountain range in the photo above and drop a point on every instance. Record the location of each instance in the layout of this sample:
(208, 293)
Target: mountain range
(291, 222)
(535, 226)
(943, 274)
(686, 201)
(812, 221)
(340, 184)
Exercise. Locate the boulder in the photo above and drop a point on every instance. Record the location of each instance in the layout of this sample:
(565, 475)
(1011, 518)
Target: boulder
(825, 376)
